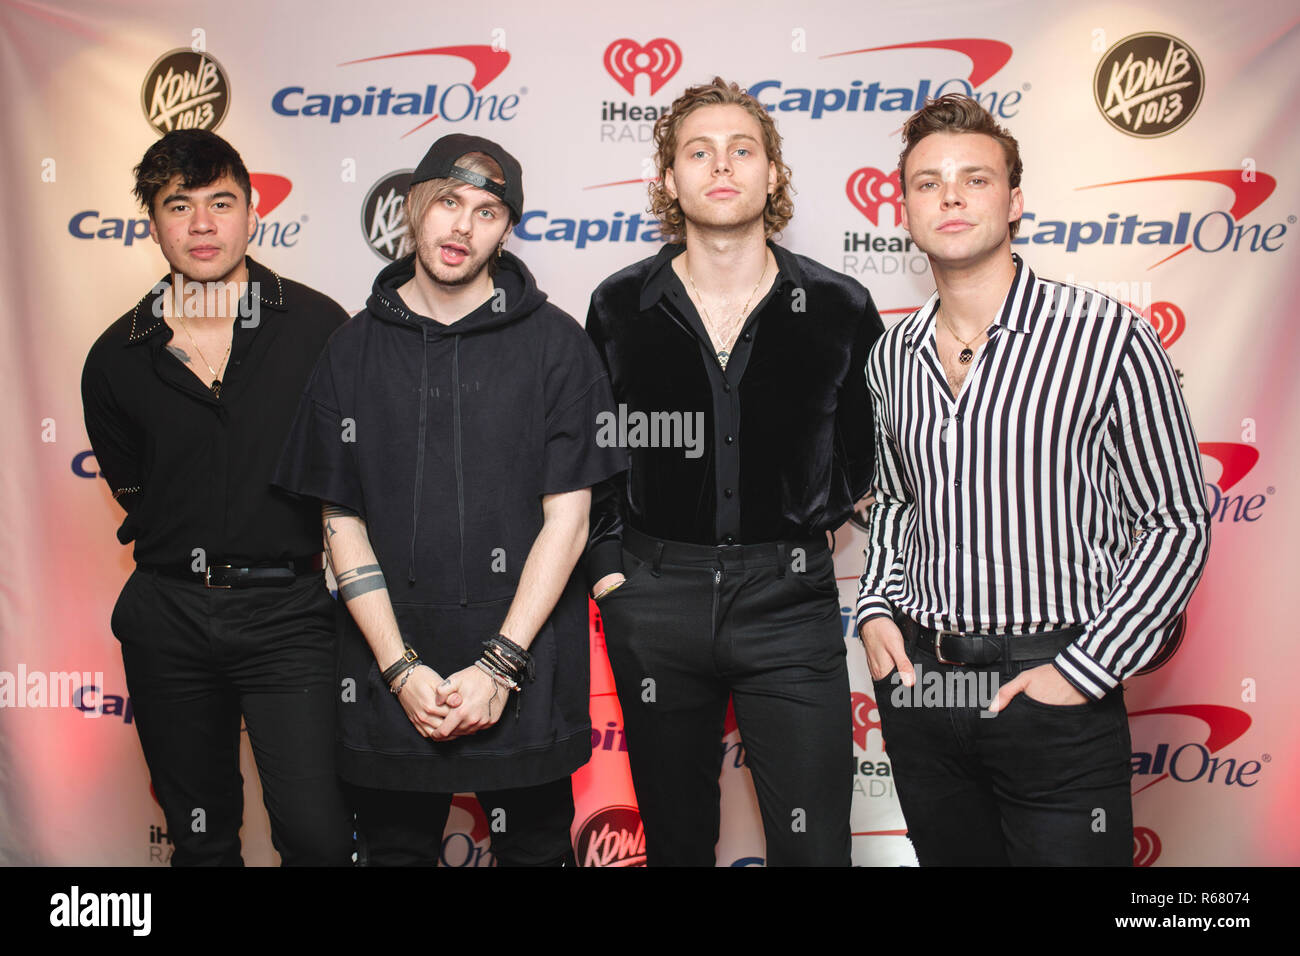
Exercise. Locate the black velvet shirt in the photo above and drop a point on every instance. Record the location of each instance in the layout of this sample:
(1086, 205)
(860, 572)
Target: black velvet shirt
(786, 447)
(193, 470)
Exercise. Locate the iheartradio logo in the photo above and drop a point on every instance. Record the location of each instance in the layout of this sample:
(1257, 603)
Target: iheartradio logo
(868, 189)
(863, 708)
(659, 59)
(1146, 846)
(1167, 318)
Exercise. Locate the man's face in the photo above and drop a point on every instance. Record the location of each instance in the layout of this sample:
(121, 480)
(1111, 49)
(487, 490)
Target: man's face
(721, 174)
(959, 198)
(203, 232)
(460, 235)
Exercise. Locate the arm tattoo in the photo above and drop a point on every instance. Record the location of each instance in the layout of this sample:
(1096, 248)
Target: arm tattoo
(359, 581)
(329, 511)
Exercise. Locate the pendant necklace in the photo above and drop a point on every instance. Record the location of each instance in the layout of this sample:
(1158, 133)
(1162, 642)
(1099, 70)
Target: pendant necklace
(966, 354)
(216, 372)
(724, 353)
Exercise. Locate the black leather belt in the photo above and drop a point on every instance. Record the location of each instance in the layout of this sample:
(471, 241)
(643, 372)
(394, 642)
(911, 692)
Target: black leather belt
(270, 574)
(983, 649)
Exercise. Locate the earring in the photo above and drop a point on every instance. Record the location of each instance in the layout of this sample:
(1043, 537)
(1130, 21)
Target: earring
(500, 248)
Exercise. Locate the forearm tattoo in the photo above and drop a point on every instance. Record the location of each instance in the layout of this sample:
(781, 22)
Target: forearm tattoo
(359, 581)
(329, 512)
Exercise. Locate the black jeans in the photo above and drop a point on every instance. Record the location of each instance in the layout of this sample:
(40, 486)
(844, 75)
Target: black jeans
(1034, 785)
(528, 826)
(195, 660)
(693, 626)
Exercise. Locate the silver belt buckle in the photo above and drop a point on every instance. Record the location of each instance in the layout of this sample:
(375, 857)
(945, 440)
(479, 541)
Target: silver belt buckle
(938, 653)
(207, 579)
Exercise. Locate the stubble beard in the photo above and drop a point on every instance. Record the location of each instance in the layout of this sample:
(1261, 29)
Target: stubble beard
(427, 254)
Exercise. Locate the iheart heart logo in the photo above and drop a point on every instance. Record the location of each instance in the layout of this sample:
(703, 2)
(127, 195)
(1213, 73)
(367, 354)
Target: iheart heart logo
(869, 188)
(659, 59)
(1168, 320)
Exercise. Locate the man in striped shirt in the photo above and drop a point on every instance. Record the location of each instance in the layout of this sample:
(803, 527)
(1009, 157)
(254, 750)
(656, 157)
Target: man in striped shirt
(1040, 523)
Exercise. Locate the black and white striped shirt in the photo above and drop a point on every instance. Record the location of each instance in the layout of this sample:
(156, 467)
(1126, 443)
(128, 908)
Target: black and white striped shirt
(1062, 487)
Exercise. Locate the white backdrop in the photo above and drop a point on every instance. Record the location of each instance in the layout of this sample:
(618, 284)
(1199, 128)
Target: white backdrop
(568, 90)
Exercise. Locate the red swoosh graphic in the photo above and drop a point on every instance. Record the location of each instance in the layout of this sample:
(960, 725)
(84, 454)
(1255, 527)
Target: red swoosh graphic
(986, 56)
(1246, 197)
(479, 831)
(488, 63)
(1235, 457)
(622, 182)
(271, 190)
(1226, 725)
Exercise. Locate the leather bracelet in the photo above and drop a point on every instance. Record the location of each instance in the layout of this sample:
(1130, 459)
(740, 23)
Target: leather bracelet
(408, 659)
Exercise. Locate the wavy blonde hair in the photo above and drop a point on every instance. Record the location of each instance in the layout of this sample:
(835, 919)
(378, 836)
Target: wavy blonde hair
(672, 222)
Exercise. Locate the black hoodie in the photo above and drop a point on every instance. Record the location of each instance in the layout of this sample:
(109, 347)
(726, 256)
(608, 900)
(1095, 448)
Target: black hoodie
(444, 438)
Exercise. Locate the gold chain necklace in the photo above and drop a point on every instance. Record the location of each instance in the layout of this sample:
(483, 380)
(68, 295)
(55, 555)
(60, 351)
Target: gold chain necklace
(216, 372)
(724, 353)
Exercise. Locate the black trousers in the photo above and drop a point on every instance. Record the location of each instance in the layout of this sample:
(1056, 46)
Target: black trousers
(528, 826)
(196, 659)
(1034, 785)
(693, 626)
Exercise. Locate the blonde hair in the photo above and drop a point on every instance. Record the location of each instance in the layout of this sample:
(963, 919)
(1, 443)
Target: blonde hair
(423, 195)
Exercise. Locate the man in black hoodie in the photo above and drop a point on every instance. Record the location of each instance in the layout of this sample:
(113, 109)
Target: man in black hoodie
(451, 429)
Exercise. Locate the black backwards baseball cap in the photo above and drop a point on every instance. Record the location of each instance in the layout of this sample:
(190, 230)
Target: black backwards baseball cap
(440, 163)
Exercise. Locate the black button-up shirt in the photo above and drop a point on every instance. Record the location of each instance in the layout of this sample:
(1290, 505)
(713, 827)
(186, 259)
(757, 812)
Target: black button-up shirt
(785, 448)
(193, 470)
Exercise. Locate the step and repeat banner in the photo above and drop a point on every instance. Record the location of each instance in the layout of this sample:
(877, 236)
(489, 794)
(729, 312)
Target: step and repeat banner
(1161, 156)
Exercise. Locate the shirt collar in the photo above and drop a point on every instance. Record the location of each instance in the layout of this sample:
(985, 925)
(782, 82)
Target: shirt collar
(661, 275)
(1016, 315)
(146, 319)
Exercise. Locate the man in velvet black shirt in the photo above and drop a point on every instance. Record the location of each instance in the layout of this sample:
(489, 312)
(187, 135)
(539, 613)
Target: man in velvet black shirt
(188, 398)
(711, 566)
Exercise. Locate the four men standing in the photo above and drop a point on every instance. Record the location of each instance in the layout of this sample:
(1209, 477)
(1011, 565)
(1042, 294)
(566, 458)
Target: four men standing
(1039, 515)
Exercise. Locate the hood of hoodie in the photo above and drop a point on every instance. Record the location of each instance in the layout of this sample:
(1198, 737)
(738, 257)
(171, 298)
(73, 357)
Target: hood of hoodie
(515, 297)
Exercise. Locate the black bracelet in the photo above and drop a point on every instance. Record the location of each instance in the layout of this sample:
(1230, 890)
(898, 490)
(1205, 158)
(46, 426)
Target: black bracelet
(408, 660)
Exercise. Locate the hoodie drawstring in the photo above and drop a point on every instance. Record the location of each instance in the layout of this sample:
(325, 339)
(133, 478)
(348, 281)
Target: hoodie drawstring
(419, 454)
(460, 479)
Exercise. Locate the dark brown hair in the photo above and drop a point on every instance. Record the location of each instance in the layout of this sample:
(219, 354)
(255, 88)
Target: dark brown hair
(955, 113)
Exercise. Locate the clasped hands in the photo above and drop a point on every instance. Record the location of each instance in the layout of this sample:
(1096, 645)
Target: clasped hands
(467, 701)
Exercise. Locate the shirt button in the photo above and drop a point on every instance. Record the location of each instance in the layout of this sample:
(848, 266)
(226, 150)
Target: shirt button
(727, 492)
(728, 540)
(956, 482)
(726, 387)
(746, 336)
(731, 439)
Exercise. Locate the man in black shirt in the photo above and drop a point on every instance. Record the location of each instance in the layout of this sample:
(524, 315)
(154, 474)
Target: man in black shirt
(451, 427)
(188, 397)
(730, 587)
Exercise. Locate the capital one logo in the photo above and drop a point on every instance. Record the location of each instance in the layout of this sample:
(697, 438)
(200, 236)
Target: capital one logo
(659, 59)
(269, 190)
(868, 189)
